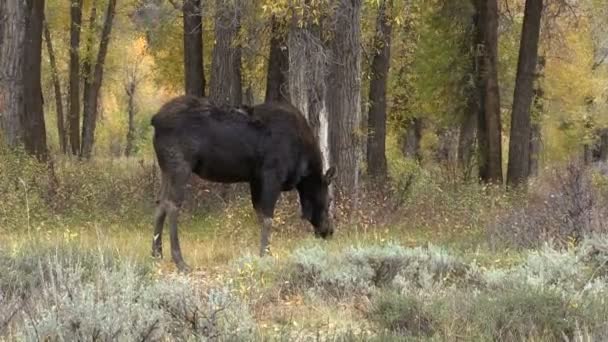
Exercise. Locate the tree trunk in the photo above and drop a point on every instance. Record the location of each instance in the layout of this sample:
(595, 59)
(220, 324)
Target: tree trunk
(519, 143)
(489, 133)
(225, 85)
(471, 83)
(87, 66)
(535, 148)
(411, 141)
(87, 63)
(74, 82)
(277, 84)
(376, 127)
(307, 75)
(130, 89)
(344, 95)
(604, 145)
(535, 128)
(248, 99)
(90, 107)
(466, 139)
(34, 130)
(12, 37)
(63, 142)
(193, 48)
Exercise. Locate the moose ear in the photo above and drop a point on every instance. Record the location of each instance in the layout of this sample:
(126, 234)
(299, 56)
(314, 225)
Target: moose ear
(330, 175)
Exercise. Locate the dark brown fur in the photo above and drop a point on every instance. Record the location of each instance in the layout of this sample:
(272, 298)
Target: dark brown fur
(269, 146)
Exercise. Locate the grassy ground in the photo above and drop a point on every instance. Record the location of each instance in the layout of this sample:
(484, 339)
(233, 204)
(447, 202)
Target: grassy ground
(423, 264)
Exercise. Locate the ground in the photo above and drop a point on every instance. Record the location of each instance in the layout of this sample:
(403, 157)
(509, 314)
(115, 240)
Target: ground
(427, 267)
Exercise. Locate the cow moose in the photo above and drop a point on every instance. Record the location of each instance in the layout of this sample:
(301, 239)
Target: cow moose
(270, 146)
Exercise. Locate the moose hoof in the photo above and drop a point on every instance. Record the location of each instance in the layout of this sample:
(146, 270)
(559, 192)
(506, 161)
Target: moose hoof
(157, 253)
(182, 267)
(266, 251)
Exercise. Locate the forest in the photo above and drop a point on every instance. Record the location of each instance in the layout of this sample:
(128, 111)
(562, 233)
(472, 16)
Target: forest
(469, 140)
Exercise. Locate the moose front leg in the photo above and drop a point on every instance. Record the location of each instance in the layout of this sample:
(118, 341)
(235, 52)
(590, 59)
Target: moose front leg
(266, 223)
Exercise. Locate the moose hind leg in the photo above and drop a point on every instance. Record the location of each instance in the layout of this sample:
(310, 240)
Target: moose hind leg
(159, 222)
(176, 197)
(159, 219)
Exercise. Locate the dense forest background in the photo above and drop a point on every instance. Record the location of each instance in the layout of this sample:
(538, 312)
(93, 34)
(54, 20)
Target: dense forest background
(418, 68)
(470, 139)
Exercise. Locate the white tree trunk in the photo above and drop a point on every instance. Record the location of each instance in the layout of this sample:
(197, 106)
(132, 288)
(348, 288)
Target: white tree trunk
(307, 76)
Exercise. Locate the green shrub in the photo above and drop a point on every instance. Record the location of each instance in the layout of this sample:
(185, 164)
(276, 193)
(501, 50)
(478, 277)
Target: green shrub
(72, 296)
(563, 207)
(360, 270)
(402, 314)
(29, 269)
(524, 313)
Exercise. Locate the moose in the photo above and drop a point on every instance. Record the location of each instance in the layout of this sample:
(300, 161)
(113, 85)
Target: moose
(270, 146)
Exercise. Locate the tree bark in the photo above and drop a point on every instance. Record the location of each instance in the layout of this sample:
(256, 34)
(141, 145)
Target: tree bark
(12, 37)
(90, 110)
(225, 83)
(194, 73)
(344, 95)
(604, 145)
(63, 141)
(519, 143)
(466, 138)
(411, 141)
(248, 98)
(535, 128)
(376, 125)
(308, 75)
(277, 84)
(34, 130)
(471, 83)
(535, 149)
(74, 78)
(489, 133)
(87, 61)
(130, 90)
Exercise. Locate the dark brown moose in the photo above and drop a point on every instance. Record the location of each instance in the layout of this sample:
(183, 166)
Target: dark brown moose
(270, 146)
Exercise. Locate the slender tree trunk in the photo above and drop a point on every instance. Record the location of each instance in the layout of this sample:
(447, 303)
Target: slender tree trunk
(519, 144)
(479, 42)
(466, 138)
(225, 83)
(248, 99)
(411, 141)
(63, 141)
(376, 126)
(130, 89)
(193, 48)
(277, 84)
(33, 116)
(535, 148)
(90, 111)
(489, 132)
(535, 127)
(604, 145)
(74, 82)
(344, 95)
(89, 58)
(12, 99)
(471, 83)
